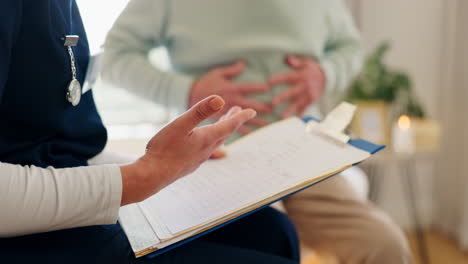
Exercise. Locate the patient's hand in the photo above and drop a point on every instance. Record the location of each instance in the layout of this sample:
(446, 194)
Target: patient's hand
(180, 148)
(307, 84)
(219, 81)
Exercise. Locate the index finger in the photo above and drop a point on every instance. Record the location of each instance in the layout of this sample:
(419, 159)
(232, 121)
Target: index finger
(285, 77)
(248, 88)
(288, 94)
(225, 128)
(199, 113)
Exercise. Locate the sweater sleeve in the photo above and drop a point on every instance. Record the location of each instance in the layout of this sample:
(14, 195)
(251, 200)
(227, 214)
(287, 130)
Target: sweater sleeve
(36, 200)
(140, 28)
(10, 16)
(343, 52)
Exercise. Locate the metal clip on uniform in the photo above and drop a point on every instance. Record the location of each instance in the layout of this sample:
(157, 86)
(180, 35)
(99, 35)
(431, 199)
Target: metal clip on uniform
(74, 88)
(335, 123)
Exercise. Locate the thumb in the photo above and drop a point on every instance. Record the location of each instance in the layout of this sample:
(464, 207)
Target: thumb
(294, 61)
(199, 113)
(233, 70)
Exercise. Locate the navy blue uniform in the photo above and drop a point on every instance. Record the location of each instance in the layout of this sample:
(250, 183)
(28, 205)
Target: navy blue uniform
(38, 126)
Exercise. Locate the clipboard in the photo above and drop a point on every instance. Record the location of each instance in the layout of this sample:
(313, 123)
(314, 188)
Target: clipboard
(330, 123)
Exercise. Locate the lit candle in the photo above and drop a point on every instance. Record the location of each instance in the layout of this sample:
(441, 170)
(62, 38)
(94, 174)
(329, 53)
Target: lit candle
(402, 135)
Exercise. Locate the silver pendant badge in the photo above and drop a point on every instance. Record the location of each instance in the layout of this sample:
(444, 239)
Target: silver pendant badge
(74, 92)
(74, 88)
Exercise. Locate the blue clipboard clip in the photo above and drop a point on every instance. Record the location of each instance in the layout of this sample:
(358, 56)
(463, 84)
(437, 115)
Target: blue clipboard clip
(334, 126)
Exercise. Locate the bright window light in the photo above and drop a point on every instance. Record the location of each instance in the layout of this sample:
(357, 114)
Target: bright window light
(98, 17)
(125, 115)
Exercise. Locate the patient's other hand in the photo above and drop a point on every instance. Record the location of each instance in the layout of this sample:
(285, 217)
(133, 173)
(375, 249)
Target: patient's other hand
(307, 80)
(219, 81)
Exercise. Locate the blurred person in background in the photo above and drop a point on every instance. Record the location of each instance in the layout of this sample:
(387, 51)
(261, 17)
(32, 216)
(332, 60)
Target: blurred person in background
(277, 57)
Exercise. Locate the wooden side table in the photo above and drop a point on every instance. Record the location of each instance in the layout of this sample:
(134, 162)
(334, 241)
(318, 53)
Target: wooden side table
(406, 163)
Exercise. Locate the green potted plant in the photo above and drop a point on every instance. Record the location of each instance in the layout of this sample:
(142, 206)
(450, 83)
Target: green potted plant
(376, 91)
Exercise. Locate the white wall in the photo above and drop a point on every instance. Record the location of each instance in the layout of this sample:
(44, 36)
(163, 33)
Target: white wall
(415, 28)
(451, 184)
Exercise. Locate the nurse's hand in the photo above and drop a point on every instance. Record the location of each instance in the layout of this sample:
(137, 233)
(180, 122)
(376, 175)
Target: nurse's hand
(180, 148)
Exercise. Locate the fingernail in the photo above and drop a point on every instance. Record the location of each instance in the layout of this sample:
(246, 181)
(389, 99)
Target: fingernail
(232, 110)
(216, 103)
(218, 154)
(235, 109)
(252, 113)
(293, 60)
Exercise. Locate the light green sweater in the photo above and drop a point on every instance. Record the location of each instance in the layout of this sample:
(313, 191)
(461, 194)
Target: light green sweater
(202, 34)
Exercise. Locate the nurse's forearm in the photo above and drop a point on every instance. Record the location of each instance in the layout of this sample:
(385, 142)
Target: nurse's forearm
(134, 184)
(34, 200)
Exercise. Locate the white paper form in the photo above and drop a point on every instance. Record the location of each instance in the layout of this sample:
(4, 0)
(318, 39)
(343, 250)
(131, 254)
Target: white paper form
(258, 166)
(137, 229)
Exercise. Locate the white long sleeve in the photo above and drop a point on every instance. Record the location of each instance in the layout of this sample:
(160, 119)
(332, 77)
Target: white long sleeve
(343, 56)
(35, 200)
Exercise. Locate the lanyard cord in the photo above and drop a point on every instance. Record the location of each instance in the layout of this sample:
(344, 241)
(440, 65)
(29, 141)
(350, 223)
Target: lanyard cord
(72, 62)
